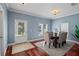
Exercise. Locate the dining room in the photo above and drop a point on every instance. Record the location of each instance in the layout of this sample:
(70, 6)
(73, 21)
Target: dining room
(46, 29)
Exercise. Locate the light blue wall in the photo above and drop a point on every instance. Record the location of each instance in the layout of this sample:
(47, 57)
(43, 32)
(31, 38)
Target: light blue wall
(72, 20)
(5, 28)
(51, 25)
(32, 25)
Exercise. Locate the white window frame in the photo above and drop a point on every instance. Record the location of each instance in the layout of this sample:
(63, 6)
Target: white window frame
(16, 27)
(43, 29)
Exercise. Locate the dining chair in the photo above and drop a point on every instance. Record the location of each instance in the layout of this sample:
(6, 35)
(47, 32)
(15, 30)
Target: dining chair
(62, 38)
(47, 38)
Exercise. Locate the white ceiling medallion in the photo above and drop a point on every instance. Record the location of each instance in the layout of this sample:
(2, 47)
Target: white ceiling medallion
(55, 11)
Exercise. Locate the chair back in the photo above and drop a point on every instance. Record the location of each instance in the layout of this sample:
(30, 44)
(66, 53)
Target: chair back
(46, 36)
(50, 34)
(62, 37)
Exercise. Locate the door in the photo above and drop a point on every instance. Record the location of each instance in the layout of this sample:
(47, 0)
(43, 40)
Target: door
(20, 31)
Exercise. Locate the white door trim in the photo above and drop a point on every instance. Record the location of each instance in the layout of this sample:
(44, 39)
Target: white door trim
(20, 39)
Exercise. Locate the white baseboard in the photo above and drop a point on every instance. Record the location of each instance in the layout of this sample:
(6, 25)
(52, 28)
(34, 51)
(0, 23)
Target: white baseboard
(42, 38)
(73, 41)
(11, 44)
(34, 39)
(27, 41)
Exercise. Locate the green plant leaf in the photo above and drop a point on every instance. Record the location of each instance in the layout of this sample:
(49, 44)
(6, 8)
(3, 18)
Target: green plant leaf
(76, 26)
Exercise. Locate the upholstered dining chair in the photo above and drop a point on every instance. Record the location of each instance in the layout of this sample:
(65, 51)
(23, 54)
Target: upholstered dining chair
(47, 38)
(62, 38)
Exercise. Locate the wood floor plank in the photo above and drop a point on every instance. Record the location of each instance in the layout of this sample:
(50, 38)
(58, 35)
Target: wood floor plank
(74, 51)
(31, 52)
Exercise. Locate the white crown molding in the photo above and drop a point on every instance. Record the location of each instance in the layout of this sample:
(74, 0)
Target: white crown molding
(67, 15)
(28, 13)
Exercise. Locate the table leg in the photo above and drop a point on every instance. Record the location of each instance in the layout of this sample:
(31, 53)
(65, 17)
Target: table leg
(55, 43)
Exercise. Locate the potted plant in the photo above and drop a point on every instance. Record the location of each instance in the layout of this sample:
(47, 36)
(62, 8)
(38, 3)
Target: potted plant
(77, 32)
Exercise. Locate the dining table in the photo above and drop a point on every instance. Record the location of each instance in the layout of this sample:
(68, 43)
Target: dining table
(55, 38)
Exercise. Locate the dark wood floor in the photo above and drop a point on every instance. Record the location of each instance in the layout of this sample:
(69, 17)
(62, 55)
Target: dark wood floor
(32, 52)
(74, 51)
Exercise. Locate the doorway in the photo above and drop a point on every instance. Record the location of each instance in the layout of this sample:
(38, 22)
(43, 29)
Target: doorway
(20, 31)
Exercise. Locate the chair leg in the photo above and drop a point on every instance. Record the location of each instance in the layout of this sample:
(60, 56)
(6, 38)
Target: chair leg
(59, 45)
(45, 43)
(55, 44)
(62, 43)
(65, 42)
(49, 44)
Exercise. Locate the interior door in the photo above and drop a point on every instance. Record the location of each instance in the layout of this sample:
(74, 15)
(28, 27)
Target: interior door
(20, 24)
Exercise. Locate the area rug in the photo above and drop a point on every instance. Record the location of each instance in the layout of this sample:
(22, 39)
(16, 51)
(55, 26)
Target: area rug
(21, 47)
(52, 51)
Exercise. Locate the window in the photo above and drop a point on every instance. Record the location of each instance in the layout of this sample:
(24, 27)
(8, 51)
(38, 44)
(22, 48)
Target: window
(40, 29)
(43, 28)
(64, 27)
(20, 28)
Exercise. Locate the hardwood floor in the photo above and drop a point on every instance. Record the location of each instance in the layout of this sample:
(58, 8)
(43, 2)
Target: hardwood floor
(31, 52)
(74, 51)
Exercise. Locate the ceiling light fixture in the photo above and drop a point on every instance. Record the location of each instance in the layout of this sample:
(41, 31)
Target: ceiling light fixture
(55, 11)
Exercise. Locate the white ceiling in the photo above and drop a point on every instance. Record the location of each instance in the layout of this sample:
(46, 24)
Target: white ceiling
(44, 9)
